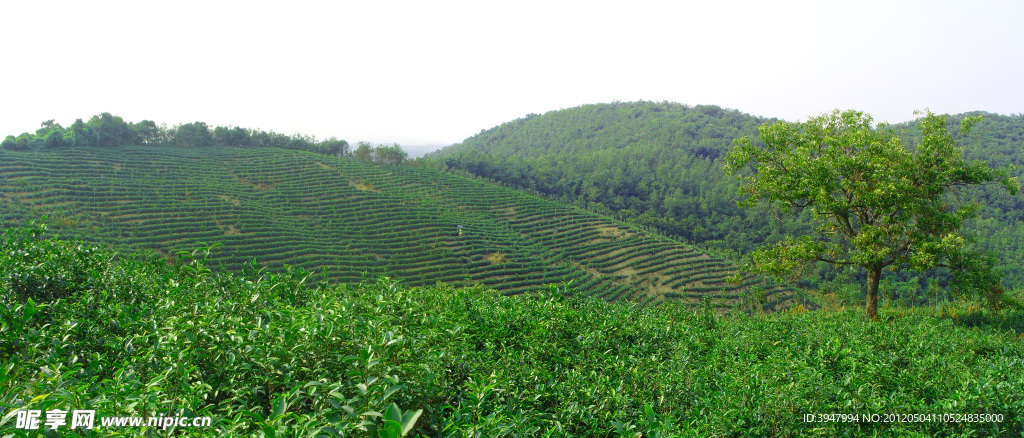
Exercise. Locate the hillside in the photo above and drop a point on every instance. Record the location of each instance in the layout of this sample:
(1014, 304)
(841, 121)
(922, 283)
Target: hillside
(357, 220)
(654, 163)
(660, 165)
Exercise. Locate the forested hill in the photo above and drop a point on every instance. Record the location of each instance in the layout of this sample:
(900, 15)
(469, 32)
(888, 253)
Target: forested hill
(999, 141)
(705, 130)
(659, 164)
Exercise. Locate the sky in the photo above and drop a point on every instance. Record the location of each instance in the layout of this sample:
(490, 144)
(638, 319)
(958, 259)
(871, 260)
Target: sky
(437, 72)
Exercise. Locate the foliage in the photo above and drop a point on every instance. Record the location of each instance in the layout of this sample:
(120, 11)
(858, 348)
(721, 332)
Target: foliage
(658, 164)
(381, 154)
(267, 354)
(106, 130)
(40, 271)
(879, 203)
(351, 219)
(651, 163)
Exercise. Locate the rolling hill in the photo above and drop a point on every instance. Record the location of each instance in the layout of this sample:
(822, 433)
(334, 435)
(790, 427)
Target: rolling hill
(354, 220)
(659, 164)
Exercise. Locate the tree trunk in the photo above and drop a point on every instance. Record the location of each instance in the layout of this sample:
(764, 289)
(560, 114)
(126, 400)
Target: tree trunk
(874, 274)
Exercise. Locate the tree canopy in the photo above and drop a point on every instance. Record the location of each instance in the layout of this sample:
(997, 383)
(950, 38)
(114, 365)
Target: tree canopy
(652, 163)
(107, 130)
(380, 154)
(879, 203)
(659, 164)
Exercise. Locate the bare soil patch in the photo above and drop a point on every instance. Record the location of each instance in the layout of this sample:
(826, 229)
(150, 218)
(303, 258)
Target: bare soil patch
(497, 258)
(362, 185)
(261, 186)
(233, 201)
(615, 232)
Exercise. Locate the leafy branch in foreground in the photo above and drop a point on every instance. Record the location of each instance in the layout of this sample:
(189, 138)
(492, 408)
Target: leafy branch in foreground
(879, 203)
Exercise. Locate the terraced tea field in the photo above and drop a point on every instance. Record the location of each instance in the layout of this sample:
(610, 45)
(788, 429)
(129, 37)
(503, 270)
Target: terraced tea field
(353, 219)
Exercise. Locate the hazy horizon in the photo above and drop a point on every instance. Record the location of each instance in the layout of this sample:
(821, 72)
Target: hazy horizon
(418, 73)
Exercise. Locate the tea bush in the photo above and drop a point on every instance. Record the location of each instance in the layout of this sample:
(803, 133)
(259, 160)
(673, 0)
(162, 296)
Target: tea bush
(302, 209)
(275, 354)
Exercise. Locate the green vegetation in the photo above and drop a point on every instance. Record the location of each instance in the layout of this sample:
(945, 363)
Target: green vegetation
(352, 218)
(655, 164)
(880, 205)
(341, 294)
(274, 354)
(380, 154)
(107, 130)
(660, 165)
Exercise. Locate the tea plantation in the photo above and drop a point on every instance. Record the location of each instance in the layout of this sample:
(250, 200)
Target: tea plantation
(265, 353)
(356, 220)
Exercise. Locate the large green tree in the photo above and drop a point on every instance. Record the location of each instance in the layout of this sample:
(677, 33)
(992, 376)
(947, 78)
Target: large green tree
(195, 135)
(880, 203)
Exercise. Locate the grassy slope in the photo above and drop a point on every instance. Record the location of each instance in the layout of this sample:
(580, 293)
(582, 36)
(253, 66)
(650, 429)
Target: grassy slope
(265, 355)
(313, 211)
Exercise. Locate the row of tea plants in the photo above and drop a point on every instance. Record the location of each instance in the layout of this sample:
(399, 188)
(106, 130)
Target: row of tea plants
(276, 354)
(313, 211)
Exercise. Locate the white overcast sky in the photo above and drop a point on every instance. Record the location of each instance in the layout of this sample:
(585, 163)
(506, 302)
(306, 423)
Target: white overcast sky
(436, 72)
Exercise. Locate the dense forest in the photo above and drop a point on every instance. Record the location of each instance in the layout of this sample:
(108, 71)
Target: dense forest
(659, 164)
